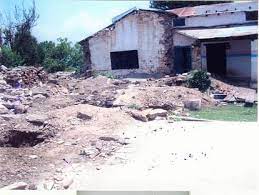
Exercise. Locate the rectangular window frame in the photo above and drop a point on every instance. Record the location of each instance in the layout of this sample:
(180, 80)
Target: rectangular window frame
(179, 21)
(127, 59)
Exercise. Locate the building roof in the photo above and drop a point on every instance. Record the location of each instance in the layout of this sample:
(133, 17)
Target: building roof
(125, 14)
(215, 9)
(223, 32)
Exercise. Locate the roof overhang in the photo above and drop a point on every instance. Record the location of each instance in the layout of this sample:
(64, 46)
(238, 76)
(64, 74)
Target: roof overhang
(220, 32)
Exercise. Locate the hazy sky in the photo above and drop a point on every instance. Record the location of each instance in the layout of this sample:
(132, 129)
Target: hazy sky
(75, 19)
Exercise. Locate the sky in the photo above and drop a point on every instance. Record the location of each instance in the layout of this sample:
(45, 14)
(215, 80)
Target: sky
(74, 19)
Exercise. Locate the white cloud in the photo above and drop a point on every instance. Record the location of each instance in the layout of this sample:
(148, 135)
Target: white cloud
(78, 25)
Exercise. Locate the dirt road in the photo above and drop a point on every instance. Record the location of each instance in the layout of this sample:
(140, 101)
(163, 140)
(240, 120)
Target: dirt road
(206, 158)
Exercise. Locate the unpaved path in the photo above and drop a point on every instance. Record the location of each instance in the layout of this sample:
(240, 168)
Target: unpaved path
(206, 158)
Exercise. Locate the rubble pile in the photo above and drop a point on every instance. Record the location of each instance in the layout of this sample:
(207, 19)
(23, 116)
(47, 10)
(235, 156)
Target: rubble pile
(45, 115)
(24, 76)
(233, 94)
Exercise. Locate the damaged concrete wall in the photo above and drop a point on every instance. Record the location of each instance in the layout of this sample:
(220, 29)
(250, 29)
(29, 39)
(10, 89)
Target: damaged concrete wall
(181, 40)
(238, 58)
(145, 31)
(254, 63)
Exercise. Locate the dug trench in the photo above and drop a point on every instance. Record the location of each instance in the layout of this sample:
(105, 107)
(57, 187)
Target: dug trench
(50, 124)
(19, 139)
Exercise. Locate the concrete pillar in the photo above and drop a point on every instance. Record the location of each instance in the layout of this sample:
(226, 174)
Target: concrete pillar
(196, 57)
(254, 63)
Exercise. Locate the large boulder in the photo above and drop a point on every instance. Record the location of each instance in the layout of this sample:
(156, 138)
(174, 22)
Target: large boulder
(192, 104)
(138, 115)
(153, 114)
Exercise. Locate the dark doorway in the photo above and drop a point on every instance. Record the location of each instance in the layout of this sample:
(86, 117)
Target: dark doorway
(183, 59)
(124, 59)
(216, 58)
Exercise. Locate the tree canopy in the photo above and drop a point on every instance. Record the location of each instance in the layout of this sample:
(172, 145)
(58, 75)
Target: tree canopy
(20, 48)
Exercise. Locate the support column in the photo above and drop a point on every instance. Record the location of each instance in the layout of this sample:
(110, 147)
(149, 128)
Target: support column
(254, 63)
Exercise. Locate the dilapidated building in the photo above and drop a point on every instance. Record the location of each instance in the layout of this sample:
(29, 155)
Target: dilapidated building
(219, 38)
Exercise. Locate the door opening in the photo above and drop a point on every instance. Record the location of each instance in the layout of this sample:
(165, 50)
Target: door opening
(216, 58)
(183, 59)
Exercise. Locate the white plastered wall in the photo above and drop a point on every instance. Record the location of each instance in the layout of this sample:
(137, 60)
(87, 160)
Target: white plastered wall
(141, 31)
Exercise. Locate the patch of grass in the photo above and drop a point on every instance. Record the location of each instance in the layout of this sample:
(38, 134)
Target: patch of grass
(106, 74)
(134, 106)
(227, 113)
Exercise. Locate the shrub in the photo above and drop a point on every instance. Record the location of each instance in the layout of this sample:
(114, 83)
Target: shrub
(134, 106)
(199, 79)
(52, 65)
(10, 58)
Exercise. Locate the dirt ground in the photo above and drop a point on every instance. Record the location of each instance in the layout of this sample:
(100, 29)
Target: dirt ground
(50, 128)
(171, 156)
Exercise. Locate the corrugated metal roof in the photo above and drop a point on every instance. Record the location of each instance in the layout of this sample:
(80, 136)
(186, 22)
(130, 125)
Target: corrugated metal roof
(215, 9)
(210, 33)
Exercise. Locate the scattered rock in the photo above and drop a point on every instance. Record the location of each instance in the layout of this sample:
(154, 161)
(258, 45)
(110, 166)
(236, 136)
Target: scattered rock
(40, 91)
(90, 152)
(156, 113)
(193, 104)
(20, 109)
(106, 138)
(37, 119)
(9, 105)
(39, 96)
(16, 186)
(83, 116)
(3, 109)
(138, 115)
(33, 156)
(67, 182)
(229, 98)
(3, 68)
(249, 102)
(49, 185)
(8, 117)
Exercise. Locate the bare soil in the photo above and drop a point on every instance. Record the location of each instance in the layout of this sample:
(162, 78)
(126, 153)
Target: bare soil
(46, 133)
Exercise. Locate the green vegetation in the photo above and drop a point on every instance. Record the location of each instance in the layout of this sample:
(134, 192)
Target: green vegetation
(20, 48)
(63, 56)
(134, 106)
(198, 79)
(227, 113)
(105, 74)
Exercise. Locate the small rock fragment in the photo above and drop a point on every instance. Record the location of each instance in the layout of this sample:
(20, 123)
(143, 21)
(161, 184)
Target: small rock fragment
(83, 116)
(67, 182)
(16, 186)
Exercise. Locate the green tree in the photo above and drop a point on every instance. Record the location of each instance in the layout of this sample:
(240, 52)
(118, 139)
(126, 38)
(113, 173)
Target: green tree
(60, 56)
(10, 58)
(17, 35)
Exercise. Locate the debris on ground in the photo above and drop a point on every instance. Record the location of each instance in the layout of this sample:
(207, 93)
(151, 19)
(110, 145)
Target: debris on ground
(50, 120)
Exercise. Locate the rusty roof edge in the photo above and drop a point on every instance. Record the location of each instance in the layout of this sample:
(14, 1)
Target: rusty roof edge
(216, 26)
(194, 8)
